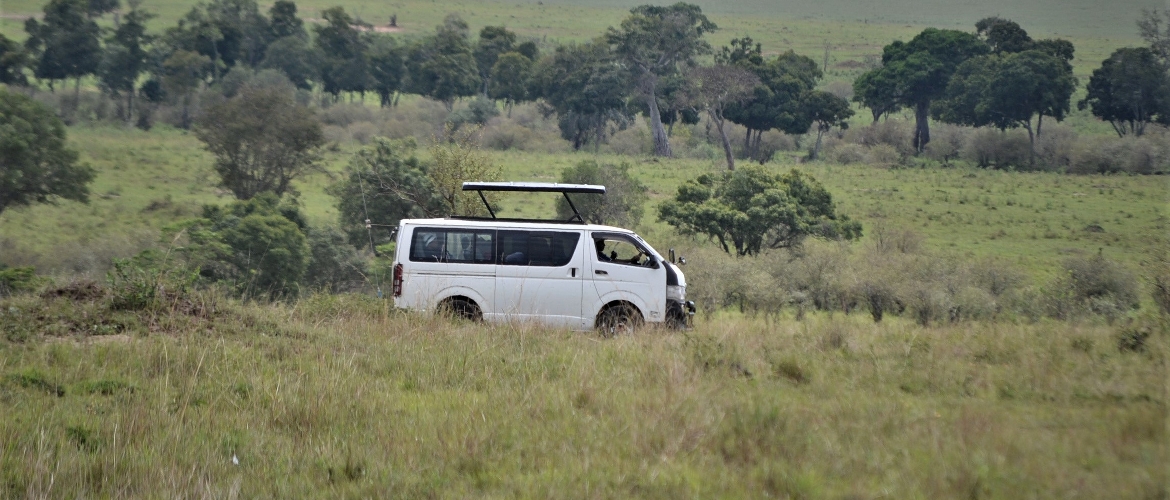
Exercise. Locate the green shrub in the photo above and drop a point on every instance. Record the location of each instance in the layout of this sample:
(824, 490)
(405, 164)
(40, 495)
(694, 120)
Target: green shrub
(17, 279)
(622, 204)
(258, 246)
(1092, 285)
(334, 264)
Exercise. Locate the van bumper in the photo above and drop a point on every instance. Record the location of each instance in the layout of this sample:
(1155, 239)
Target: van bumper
(680, 314)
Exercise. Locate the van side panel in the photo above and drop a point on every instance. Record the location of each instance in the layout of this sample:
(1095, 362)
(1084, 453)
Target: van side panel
(427, 283)
(544, 284)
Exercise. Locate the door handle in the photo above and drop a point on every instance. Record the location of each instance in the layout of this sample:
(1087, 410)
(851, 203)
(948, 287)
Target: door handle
(574, 273)
(599, 271)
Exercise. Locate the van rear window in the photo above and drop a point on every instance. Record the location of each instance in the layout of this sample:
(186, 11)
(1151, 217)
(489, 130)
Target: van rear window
(452, 245)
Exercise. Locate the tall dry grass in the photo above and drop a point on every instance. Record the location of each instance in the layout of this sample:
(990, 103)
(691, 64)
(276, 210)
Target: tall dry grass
(342, 396)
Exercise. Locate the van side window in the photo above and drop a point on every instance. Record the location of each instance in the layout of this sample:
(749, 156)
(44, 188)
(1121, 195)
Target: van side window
(620, 250)
(537, 248)
(460, 246)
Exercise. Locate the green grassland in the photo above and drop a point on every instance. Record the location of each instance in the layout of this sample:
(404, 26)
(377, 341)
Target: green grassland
(148, 179)
(340, 396)
(336, 396)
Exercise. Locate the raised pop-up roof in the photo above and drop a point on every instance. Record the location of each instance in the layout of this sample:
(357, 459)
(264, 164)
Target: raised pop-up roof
(536, 187)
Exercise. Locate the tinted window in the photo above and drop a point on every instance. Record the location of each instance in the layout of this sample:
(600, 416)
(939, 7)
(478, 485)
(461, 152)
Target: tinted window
(537, 248)
(462, 246)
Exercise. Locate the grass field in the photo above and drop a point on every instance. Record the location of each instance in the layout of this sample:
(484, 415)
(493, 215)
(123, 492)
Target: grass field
(337, 397)
(1035, 220)
(200, 395)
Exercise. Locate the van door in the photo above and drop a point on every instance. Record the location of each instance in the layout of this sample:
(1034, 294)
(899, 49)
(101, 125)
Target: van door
(444, 262)
(538, 277)
(621, 268)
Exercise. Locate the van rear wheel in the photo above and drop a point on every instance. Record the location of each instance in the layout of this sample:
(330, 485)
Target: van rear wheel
(460, 308)
(620, 319)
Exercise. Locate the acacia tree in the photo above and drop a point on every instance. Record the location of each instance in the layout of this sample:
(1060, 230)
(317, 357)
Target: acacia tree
(126, 57)
(13, 60)
(442, 67)
(585, 88)
(384, 182)
(718, 87)
(1129, 90)
(751, 209)
(493, 42)
(66, 42)
(826, 111)
(776, 102)
(35, 164)
(344, 67)
(655, 42)
(919, 71)
(262, 140)
(1154, 27)
(386, 67)
(1008, 90)
(509, 79)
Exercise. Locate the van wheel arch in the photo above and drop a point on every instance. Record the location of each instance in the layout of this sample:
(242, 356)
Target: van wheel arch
(618, 317)
(462, 307)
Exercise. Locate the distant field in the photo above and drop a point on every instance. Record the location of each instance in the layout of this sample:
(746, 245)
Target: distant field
(1036, 220)
(852, 29)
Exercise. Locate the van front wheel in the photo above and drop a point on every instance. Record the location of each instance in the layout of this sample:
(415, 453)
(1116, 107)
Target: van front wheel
(619, 319)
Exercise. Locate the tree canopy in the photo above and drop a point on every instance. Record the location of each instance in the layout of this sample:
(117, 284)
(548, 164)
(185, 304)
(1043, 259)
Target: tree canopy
(751, 209)
(36, 166)
(654, 42)
(621, 205)
(385, 182)
(1130, 90)
(916, 73)
(262, 140)
(443, 66)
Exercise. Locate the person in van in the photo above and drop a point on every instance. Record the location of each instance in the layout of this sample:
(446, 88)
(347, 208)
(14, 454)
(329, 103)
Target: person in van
(599, 244)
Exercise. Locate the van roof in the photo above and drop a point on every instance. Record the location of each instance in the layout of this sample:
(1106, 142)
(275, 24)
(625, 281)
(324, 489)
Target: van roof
(512, 224)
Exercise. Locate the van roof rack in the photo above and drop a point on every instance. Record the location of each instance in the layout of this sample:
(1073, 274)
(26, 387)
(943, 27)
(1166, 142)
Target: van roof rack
(535, 187)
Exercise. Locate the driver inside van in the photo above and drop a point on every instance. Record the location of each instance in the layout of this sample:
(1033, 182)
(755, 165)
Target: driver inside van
(601, 257)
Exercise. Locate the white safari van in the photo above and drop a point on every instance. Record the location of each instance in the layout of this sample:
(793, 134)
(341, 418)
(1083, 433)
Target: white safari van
(562, 273)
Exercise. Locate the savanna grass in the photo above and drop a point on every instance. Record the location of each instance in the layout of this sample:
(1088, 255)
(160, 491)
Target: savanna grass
(343, 396)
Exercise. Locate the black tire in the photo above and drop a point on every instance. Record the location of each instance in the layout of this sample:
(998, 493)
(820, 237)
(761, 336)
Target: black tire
(461, 309)
(620, 319)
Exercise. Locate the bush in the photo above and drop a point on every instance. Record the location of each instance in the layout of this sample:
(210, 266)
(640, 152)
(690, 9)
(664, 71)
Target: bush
(633, 141)
(992, 148)
(622, 204)
(884, 155)
(1095, 284)
(334, 265)
(17, 279)
(258, 246)
(846, 153)
(505, 135)
(896, 133)
(946, 142)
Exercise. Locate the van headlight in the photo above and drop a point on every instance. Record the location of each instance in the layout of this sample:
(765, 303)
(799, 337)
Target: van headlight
(676, 292)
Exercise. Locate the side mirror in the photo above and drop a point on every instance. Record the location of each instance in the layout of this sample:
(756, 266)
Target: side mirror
(671, 253)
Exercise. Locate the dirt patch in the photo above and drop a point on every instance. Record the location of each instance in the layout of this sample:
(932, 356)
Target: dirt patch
(76, 291)
(850, 64)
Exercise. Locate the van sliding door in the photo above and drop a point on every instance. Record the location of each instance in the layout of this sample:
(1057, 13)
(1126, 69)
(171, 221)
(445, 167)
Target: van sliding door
(538, 277)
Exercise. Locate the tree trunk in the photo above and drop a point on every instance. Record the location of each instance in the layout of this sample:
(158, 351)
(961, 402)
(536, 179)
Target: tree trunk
(661, 141)
(718, 120)
(921, 126)
(817, 148)
(1031, 141)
